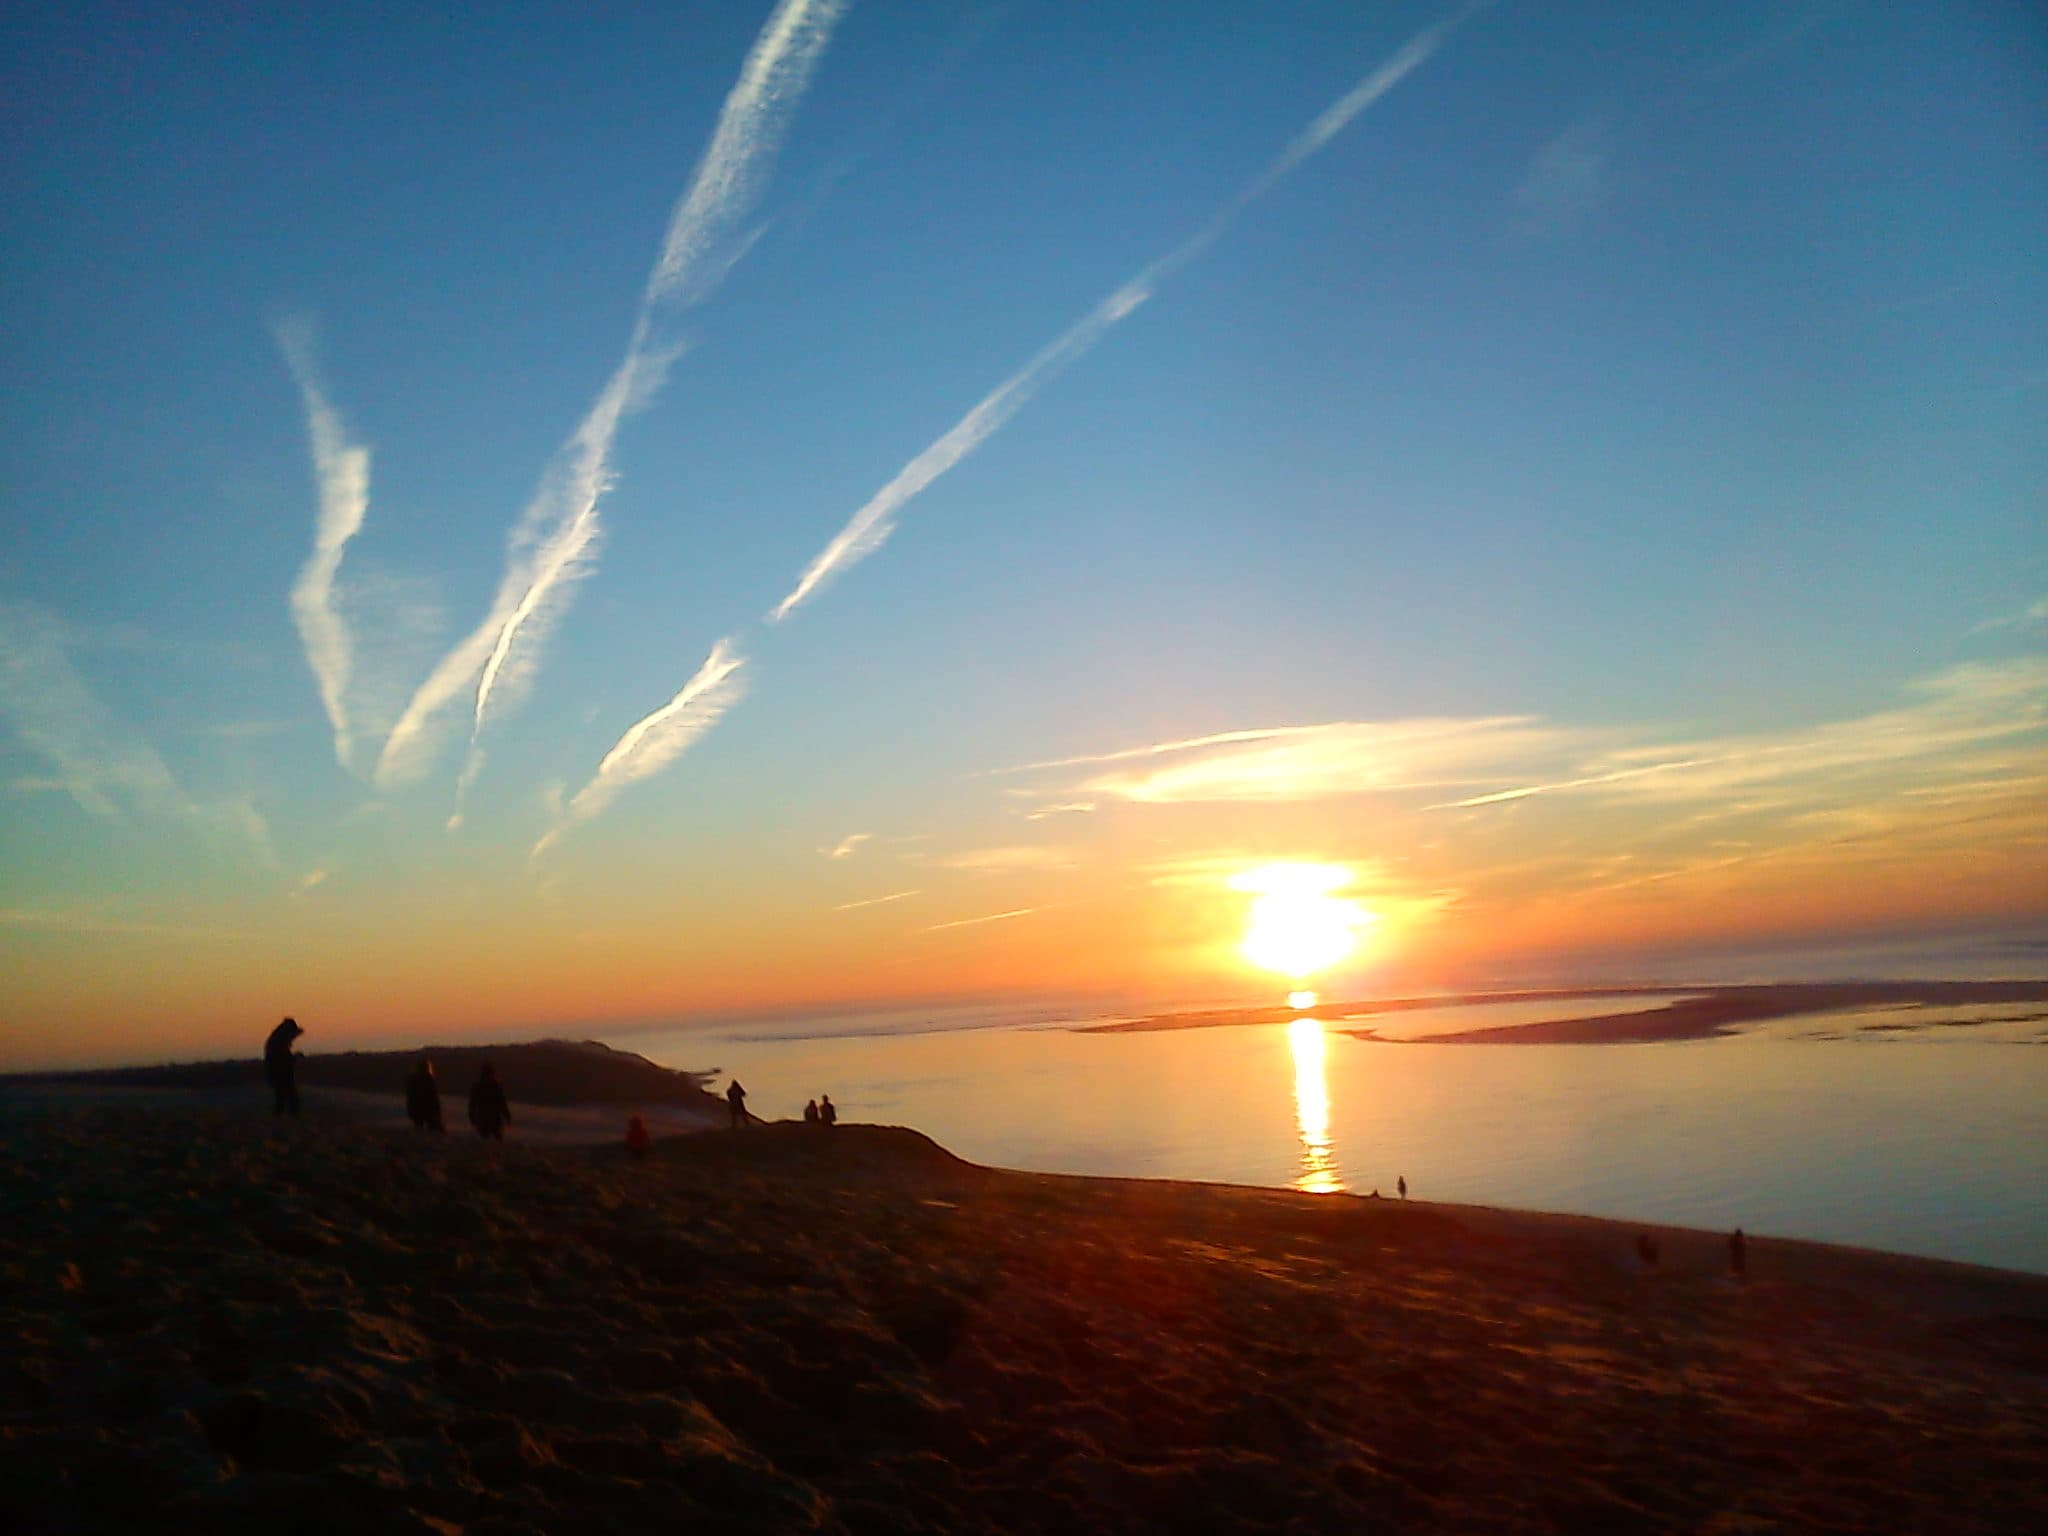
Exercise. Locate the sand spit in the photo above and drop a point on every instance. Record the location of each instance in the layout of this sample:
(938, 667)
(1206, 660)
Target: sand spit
(553, 1073)
(225, 1325)
(1695, 1013)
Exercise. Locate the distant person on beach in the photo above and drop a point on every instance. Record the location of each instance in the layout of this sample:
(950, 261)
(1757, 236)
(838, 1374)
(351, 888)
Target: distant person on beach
(736, 1102)
(281, 1068)
(1401, 1184)
(828, 1112)
(637, 1139)
(1646, 1250)
(423, 1099)
(811, 1112)
(488, 1111)
(1738, 1254)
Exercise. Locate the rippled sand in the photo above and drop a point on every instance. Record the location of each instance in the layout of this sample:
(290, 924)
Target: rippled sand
(329, 1327)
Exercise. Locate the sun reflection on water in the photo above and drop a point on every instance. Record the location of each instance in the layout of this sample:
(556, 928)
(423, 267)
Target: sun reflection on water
(1319, 1174)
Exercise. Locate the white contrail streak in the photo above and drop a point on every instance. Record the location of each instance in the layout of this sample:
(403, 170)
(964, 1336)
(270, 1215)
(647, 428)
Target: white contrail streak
(659, 739)
(976, 922)
(876, 901)
(555, 538)
(872, 524)
(341, 471)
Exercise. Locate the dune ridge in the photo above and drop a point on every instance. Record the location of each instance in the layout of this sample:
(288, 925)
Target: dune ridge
(225, 1324)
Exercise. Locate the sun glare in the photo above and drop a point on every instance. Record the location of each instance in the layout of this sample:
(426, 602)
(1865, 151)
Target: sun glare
(1297, 927)
(1301, 1001)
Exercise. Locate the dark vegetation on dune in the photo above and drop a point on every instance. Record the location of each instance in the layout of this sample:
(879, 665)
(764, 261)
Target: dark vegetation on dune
(223, 1327)
(542, 1072)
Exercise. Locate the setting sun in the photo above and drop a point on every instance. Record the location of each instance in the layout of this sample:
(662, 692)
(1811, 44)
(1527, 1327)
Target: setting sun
(1297, 927)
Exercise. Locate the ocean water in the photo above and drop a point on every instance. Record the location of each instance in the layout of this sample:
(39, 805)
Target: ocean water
(1919, 1131)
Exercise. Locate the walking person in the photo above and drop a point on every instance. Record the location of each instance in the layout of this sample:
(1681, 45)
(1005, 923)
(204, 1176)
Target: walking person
(423, 1099)
(280, 1067)
(736, 1103)
(1401, 1185)
(1738, 1254)
(488, 1111)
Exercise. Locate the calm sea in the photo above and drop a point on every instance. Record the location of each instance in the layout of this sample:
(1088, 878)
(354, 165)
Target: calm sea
(1916, 1130)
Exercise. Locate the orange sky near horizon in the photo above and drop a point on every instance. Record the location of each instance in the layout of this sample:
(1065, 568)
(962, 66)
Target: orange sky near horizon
(1102, 919)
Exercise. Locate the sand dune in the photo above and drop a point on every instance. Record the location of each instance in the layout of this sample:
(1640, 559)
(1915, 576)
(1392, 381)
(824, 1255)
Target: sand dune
(224, 1324)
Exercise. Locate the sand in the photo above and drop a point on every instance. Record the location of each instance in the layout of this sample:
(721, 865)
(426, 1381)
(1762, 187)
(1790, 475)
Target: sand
(224, 1324)
(1694, 1013)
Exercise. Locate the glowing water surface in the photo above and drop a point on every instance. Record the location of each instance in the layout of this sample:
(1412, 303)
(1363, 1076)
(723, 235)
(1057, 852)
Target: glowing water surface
(1936, 1145)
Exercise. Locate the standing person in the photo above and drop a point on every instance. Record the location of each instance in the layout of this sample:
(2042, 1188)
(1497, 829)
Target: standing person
(736, 1102)
(488, 1111)
(281, 1068)
(1738, 1254)
(828, 1112)
(423, 1099)
(1401, 1184)
(810, 1112)
(637, 1139)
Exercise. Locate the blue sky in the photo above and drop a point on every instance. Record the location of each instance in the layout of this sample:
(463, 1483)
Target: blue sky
(1673, 377)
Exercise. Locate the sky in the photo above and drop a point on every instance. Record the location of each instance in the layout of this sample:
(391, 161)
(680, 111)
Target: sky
(616, 514)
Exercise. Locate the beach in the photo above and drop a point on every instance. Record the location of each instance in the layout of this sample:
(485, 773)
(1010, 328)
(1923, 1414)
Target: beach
(226, 1322)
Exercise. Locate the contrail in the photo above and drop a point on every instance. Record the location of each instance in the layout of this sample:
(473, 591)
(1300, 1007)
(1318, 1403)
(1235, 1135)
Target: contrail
(876, 901)
(341, 470)
(866, 529)
(976, 922)
(872, 524)
(659, 739)
(554, 540)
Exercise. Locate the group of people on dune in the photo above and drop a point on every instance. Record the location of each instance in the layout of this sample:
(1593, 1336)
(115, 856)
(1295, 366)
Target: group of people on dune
(488, 1110)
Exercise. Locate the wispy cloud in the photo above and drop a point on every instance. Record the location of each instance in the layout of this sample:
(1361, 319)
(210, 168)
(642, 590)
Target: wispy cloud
(872, 524)
(1343, 757)
(659, 739)
(98, 762)
(54, 921)
(556, 537)
(51, 708)
(341, 473)
(1003, 861)
(847, 846)
(976, 922)
(1063, 808)
(1943, 730)
(2026, 618)
(1567, 178)
(876, 901)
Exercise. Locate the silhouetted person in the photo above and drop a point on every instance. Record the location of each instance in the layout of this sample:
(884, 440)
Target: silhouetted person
(811, 1112)
(423, 1099)
(1738, 1253)
(736, 1102)
(637, 1139)
(1646, 1249)
(280, 1068)
(488, 1111)
(828, 1112)
(1401, 1184)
